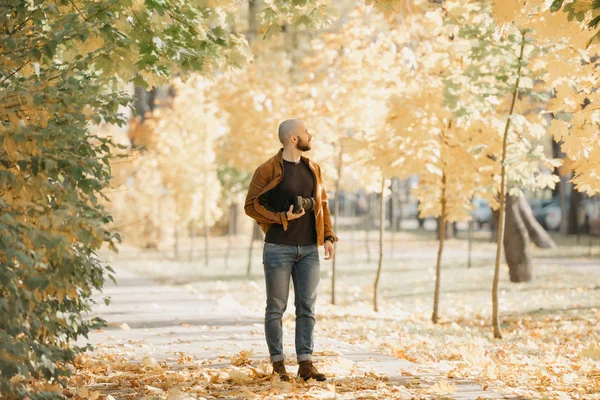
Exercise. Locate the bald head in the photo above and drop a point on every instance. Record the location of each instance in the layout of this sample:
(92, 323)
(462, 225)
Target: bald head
(288, 128)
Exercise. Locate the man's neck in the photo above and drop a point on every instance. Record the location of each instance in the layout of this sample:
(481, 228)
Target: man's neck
(291, 154)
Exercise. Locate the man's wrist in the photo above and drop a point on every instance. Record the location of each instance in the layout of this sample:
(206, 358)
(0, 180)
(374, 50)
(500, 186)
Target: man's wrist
(331, 239)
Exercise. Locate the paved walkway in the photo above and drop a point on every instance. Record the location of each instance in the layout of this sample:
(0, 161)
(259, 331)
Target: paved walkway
(149, 319)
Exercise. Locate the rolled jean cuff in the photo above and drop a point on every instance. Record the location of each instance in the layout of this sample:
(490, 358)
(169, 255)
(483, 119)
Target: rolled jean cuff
(277, 357)
(304, 357)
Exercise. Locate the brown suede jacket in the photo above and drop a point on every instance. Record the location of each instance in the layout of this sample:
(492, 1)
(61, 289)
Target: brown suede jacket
(266, 177)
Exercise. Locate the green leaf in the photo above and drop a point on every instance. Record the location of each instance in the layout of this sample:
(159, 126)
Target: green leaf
(272, 30)
(556, 5)
(35, 54)
(11, 44)
(138, 81)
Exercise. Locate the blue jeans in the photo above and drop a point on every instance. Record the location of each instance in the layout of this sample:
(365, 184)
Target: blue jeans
(301, 263)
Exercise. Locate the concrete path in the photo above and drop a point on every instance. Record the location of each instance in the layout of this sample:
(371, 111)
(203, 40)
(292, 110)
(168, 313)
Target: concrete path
(149, 319)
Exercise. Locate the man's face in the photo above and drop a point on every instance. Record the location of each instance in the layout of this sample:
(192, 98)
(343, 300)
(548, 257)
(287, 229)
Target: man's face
(304, 138)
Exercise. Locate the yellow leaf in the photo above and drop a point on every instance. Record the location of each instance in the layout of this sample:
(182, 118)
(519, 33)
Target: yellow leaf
(10, 146)
(14, 119)
(558, 129)
(443, 387)
(239, 377)
(43, 119)
(592, 351)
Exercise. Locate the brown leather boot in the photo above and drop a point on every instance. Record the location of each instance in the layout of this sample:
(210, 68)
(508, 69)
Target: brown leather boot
(307, 371)
(279, 368)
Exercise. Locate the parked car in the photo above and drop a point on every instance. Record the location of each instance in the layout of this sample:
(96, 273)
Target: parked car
(547, 212)
(482, 214)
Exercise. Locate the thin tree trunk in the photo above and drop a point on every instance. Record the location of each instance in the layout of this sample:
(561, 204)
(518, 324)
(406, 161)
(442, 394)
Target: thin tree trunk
(536, 232)
(573, 225)
(175, 232)
(230, 231)
(564, 204)
(206, 245)
(254, 228)
(557, 153)
(495, 304)
(367, 227)
(393, 210)
(469, 262)
(253, 23)
(336, 213)
(353, 227)
(494, 226)
(191, 236)
(401, 201)
(381, 231)
(205, 205)
(438, 266)
(176, 242)
(228, 249)
(516, 243)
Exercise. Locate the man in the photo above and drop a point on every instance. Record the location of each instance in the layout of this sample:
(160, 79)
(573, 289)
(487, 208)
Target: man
(287, 199)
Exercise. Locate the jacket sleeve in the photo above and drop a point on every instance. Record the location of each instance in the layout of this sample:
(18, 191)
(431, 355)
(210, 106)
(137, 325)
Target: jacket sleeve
(328, 228)
(257, 209)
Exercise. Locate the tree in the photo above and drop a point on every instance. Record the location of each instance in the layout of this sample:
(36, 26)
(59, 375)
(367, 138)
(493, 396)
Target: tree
(62, 68)
(500, 70)
(568, 72)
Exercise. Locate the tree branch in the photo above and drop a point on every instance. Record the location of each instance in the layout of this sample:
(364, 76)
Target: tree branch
(14, 72)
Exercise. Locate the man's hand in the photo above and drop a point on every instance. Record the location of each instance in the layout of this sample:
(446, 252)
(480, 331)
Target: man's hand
(290, 215)
(329, 250)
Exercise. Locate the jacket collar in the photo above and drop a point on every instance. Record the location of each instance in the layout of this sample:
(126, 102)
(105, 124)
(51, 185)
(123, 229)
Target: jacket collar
(279, 157)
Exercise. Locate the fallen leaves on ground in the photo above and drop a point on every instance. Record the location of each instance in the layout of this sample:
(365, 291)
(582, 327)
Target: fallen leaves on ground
(119, 377)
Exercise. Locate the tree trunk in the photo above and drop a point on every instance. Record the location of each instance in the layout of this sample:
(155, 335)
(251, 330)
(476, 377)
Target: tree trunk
(516, 243)
(353, 227)
(381, 230)
(469, 262)
(557, 153)
(191, 236)
(176, 242)
(254, 228)
(401, 202)
(233, 219)
(494, 226)
(420, 220)
(230, 232)
(336, 213)
(175, 233)
(393, 210)
(253, 23)
(573, 224)
(438, 266)
(367, 227)
(564, 204)
(536, 232)
(206, 245)
(495, 303)
(438, 229)
(228, 250)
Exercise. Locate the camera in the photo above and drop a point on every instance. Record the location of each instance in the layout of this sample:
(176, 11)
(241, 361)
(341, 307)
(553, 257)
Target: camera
(299, 202)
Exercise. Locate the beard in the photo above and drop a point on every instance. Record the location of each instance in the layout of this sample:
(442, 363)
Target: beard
(302, 146)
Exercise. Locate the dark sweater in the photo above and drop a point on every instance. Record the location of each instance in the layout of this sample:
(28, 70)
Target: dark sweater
(298, 180)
